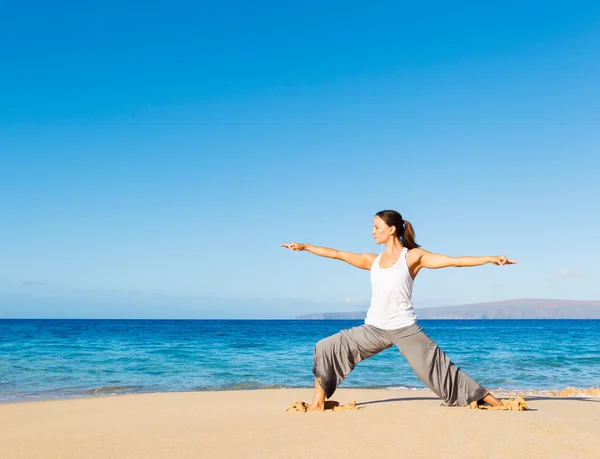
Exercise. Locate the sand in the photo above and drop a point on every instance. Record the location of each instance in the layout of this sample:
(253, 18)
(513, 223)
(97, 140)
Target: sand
(254, 424)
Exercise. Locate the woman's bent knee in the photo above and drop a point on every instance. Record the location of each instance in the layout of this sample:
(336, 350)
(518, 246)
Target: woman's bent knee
(326, 345)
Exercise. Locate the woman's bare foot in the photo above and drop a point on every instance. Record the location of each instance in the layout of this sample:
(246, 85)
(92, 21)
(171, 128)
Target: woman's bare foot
(491, 400)
(315, 407)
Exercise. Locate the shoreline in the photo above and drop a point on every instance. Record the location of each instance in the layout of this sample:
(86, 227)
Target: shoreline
(117, 391)
(253, 424)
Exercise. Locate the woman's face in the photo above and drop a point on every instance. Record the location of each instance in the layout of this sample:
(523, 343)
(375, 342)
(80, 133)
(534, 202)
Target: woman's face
(381, 232)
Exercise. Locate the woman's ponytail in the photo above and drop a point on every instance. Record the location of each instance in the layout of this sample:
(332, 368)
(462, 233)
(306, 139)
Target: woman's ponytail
(408, 237)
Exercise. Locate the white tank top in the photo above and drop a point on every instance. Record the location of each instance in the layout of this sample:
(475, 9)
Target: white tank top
(391, 305)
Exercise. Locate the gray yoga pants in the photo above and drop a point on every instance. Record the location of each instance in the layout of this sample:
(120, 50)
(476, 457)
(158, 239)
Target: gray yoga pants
(336, 356)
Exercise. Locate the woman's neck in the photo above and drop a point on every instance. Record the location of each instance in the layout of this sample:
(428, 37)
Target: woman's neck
(393, 246)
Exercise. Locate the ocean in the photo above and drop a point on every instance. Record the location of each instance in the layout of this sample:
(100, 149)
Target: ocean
(50, 359)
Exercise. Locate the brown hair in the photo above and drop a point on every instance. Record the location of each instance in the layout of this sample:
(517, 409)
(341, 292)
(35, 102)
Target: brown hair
(404, 230)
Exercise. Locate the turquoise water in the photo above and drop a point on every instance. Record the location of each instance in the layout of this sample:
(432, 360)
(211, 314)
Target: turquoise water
(45, 359)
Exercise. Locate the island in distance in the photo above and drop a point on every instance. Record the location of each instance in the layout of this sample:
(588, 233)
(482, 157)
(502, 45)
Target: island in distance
(510, 309)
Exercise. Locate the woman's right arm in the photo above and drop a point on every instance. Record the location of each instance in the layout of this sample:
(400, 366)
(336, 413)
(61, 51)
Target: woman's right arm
(360, 260)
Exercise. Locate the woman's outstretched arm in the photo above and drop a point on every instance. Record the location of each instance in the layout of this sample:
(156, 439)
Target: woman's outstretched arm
(359, 260)
(425, 259)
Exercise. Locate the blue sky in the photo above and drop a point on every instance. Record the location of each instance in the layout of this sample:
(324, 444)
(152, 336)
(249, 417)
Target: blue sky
(153, 157)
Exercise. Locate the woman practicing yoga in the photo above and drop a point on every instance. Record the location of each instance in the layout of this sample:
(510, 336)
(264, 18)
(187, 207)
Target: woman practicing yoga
(391, 319)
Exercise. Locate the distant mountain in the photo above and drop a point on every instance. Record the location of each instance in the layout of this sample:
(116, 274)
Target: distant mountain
(358, 315)
(510, 309)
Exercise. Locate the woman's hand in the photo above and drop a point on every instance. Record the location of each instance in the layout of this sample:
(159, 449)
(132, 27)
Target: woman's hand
(502, 260)
(295, 246)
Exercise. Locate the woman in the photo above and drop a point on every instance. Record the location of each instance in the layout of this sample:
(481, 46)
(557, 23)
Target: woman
(391, 319)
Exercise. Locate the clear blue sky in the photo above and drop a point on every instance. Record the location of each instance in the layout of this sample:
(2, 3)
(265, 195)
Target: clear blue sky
(154, 156)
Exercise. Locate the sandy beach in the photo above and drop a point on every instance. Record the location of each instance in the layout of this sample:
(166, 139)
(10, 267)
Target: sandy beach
(253, 424)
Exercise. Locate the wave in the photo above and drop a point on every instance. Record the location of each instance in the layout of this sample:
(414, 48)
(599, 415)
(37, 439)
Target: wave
(242, 385)
(112, 390)
(574, 392)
